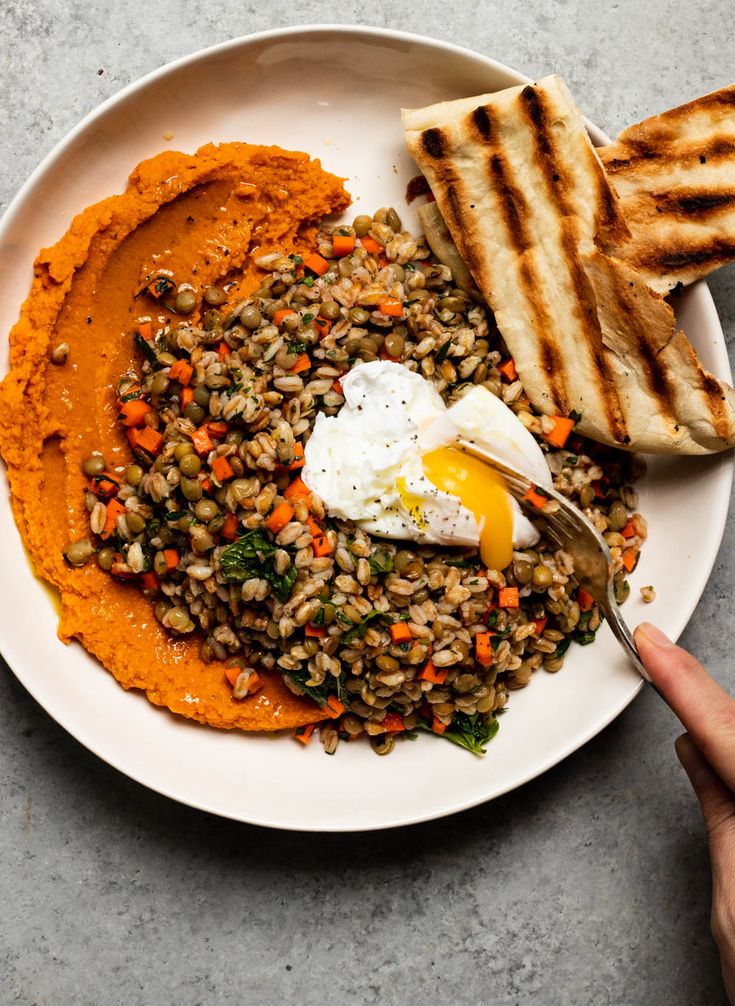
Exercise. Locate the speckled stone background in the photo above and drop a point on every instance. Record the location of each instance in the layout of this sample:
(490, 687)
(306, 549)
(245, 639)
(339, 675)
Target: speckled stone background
(587, 887)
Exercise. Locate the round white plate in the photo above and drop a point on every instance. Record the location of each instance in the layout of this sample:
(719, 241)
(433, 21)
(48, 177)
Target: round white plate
(335, 92)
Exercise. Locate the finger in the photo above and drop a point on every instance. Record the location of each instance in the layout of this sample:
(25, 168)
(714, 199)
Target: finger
(718, 809)
(705, 709)
(717, 801)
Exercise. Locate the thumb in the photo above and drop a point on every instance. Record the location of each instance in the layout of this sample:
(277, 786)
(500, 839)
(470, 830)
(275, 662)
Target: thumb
(717, 802)
(705, 709)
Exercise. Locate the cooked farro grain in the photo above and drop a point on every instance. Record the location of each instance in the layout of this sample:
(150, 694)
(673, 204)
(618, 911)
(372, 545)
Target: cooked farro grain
(227, 541)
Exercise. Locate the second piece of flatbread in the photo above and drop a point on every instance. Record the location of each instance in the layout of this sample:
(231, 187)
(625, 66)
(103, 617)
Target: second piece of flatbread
(528, 204)
(674, 174)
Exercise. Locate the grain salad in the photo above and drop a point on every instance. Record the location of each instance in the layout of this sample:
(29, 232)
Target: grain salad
(214, 523)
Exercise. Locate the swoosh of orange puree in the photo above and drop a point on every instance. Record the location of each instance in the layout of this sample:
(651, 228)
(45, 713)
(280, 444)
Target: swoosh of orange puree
(200, 216)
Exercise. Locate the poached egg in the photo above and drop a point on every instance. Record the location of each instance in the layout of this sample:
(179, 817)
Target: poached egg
(387, 462)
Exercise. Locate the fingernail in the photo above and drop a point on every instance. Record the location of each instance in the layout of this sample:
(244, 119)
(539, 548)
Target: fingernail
(654, 635)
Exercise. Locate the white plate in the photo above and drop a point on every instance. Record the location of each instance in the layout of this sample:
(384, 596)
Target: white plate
(335, 92)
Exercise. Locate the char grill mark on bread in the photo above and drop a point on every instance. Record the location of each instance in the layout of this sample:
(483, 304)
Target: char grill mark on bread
(529, 206)
(675, 176)
(513, 212)
(559, 189)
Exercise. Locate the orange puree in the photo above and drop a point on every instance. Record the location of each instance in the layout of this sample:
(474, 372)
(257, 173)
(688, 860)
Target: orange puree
(198, 217)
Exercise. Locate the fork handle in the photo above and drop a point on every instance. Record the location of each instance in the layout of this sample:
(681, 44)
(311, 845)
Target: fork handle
(624, 636)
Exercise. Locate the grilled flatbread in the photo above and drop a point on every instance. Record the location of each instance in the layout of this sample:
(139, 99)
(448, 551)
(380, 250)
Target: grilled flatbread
(675, 177)
(530, 209)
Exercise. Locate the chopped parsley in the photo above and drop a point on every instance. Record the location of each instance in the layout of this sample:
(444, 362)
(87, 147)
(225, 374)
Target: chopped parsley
(442, 352)
(358, 631)
(147, 349)
(471, 732)
(380, 560)
(251, 557)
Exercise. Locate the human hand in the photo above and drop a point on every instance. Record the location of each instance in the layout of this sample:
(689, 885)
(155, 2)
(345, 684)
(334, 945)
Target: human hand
(707, 753)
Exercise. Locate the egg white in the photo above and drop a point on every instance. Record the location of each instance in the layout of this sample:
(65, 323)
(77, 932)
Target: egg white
(365, 463)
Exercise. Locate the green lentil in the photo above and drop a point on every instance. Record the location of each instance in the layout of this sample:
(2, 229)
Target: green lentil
(185, 302)
(105, 558)
(215, 296)
(135, 522)
(93, 465)
(134, 475)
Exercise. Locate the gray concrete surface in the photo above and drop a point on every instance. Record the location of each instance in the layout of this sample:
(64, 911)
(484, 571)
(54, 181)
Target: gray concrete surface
(588, 886)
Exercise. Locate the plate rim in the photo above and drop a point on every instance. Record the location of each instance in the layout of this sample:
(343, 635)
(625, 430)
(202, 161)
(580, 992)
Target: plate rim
(15, 660)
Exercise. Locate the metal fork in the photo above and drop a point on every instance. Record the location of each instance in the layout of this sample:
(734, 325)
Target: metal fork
(569, 529)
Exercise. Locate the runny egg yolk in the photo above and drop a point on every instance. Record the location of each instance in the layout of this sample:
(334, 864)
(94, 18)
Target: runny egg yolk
(480, 490)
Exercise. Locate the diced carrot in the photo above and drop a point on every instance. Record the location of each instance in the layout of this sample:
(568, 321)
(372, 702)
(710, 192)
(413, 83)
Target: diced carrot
(321, 546)
(145, 329)
(303, 362)
(232, 674)
(600, 488)
(400, 633)
(315, 263)
(222, 469)
(508, 369)
(382, 261)
(437, 726)
(297, 490)
(298, 457)
(134, 412)
(630, 559)
(146, 438)
(283, 313)
(391, 307)
(115, 509)
(315, 529)
(217, 428)
(280, 517)
(315, 631)
(483, 648)
(202, 441)
(508, 597)
(322, 325)
(533, 496)
(437, 676)
(393, 723)
(540, 624)
(343, 244)
(149, 581)
(303, 734)
(206, 483)
(585, 600)
(371, 246)
(628, 531)
(172, 558)
(229, 528)
(187, 396)
(181, 371)
(223, 350)
(559, 434)
(255, 683)
(337, 386)
(104, 486)
(334, 707)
